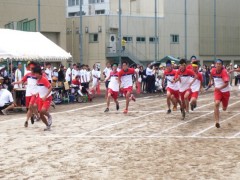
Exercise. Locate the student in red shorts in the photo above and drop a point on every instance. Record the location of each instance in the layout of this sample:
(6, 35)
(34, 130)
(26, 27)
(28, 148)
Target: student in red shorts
(126, 83)
(44, 90)
(196, 86)
(172, 88)
(31, 91)
(220, 78)
(186, 78)
(113, 87)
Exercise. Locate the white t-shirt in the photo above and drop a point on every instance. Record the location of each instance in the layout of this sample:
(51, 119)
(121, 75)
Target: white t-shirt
(5, 97)
(149, 72)
(83, 76)
(114, 84)
(31, 80)
(107, 71)
(95, 76)
(55, 74)
(18, 77)
(88, 75)
(68, 74)
(74, 73)
(48, 72)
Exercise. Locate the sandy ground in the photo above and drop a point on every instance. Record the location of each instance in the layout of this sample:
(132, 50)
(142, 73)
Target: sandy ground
(86, 143)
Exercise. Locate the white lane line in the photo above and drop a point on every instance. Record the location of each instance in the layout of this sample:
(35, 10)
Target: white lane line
(235, 135)
(128, 130)
(204, 130)
(113, 124)
(119, 137)
(72, 110)
(180, 124)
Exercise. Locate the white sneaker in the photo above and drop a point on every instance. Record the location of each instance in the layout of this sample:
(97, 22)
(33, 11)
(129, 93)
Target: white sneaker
(4, 112)
(50, 120)
(48, 128)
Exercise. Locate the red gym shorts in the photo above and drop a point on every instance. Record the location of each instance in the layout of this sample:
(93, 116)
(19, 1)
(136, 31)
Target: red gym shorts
(30, 100)
(223, 97)
(194, 94)
(44, 104)
(175, 93)
(182, 94)
(125, 90)
(114, 94)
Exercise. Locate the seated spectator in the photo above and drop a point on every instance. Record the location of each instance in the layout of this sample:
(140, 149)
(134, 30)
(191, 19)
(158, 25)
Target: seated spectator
(6, 100)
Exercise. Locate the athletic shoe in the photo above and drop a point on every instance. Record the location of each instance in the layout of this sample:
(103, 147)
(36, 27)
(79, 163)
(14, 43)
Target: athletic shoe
(174, 108)
(117, 106)
(192, 107)
(169, 111)
(106, 110)
(53, 105)
(183, 114)
(133, 98)
(217, 125)
(48, 128)
(50, 120)
(26, 124)
(125, 111)
(32, 119)
(4, 112)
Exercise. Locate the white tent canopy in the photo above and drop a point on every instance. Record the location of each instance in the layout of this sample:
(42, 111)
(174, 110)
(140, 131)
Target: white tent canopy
(20, 45)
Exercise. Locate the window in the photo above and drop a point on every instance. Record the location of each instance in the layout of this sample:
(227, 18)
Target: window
(140, 39)
(127, 38)
(102, 1)
(174, 38)
(153, 39)
(71, 2)
(77, 2)
(100, 12)
(93, 38)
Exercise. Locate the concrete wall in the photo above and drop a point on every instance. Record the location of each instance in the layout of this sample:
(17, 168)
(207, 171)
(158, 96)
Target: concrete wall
(53, 21)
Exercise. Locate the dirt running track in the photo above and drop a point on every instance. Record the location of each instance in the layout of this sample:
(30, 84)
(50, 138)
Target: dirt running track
(86, 143)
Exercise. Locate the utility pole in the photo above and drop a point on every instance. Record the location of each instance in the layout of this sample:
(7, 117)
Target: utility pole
(81, 33)
(185, 29)
(39, 16)
(119, 32)
(215, 29)
(156, 38)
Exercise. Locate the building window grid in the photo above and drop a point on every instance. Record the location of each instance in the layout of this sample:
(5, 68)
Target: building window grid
(128, 39)
(140, 39)
(153, 39)
(93, 38)
(174, 38)
(95, 1)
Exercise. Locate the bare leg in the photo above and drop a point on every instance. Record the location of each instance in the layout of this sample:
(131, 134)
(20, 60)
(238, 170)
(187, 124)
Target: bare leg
(43, 114)
(168, 100)
(127, 99)
(216, 112)
(108, 100)
(186, 101)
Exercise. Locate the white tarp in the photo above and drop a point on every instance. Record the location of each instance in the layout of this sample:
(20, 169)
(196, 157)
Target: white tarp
(20, 45)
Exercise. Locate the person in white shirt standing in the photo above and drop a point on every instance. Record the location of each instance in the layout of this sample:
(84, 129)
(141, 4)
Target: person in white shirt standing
(18, 77)
(96, 74)
(68, 75)
(74, 71)
(106, 73)
(49, 72)
(6, 100)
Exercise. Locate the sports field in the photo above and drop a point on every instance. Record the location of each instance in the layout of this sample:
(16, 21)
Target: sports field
(86, 143)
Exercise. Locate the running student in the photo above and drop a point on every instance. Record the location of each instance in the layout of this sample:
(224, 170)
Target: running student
(196, 86)
(44, 90)
(31, 93)
(172, 88)
(113, 87)
(126, 83)
(222, 91)
(184, 76)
